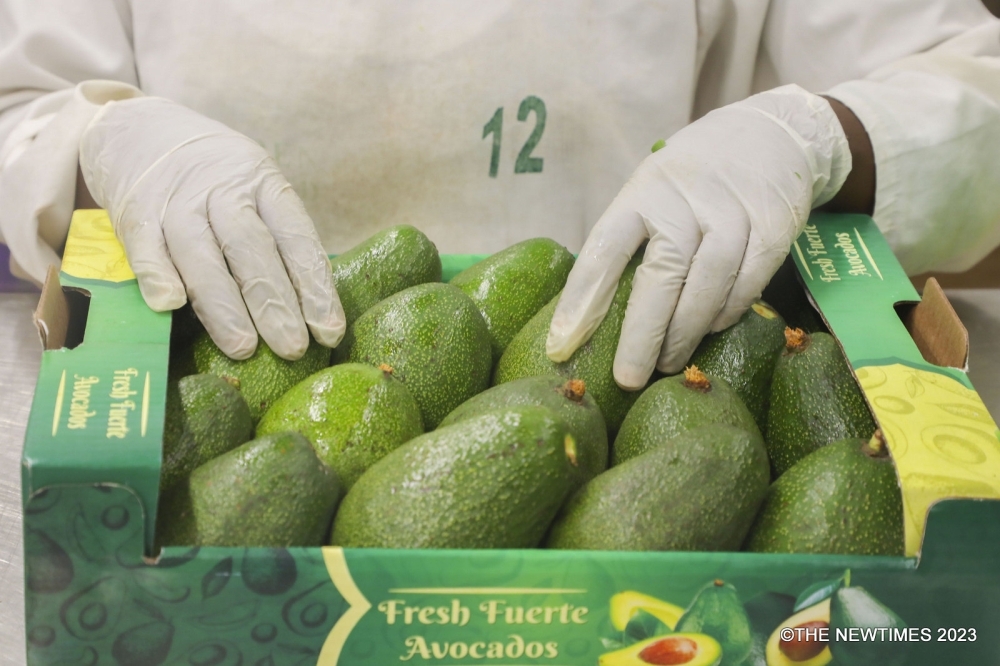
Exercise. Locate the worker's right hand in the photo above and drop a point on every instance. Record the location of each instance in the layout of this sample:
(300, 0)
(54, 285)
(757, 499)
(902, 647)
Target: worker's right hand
(203, 209)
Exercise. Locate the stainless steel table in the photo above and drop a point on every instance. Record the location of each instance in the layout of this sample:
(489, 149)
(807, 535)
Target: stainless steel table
(20, 352)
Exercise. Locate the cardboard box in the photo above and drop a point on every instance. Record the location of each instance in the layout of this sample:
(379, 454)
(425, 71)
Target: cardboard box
(91, 471)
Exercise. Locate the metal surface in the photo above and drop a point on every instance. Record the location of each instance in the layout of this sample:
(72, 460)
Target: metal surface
(20, 353)
(979, 310)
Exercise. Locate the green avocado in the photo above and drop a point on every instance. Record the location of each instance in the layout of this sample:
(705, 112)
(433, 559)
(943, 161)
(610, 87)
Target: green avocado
(205, 417)
(261, 379)
(593, 362)
(392, 260)
(815, 400)
(568, 398)
(493, 481)
(435, 342)
(766, 611)
(854, 608)
(744, 355)
(697, 491)
(352, 414)
(716, 610)
(690, 649)
(510, 286)
(841, 499)
(272, 491)
(673, 405)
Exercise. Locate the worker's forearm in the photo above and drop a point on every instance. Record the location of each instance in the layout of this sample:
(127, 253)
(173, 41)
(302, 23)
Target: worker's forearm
(858, 192)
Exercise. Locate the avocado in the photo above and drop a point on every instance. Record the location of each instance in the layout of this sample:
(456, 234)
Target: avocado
(806, 646)
(787, 295)
(765, 611)
(272, 491)
(744, 355)
(689, 649)
(626, 604)
(674, 405)
(352, 414)
(815, 400)
(593, 362)
(716, 610)
(568, 398)
(842, 499)
(510, 286)
(261, 379)
(854, 608)
(435, 341)
(388, 262)
(493, 481)
(697, 491)
(205, 417)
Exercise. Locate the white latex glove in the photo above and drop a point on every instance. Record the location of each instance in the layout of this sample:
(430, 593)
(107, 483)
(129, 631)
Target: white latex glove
(201, 207)
(720, 205)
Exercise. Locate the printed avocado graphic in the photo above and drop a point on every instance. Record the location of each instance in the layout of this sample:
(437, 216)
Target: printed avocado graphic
(799, 651)
(684, 649)
(625, 605)
(853, 608)
(943, 440)
(717, 611)
(766, 611)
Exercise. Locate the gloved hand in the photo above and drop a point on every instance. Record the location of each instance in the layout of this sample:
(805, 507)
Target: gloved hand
(720, 205)
(200, 206)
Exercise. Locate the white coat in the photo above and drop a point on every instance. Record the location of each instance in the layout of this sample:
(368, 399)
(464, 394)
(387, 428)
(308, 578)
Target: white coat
(486, 123)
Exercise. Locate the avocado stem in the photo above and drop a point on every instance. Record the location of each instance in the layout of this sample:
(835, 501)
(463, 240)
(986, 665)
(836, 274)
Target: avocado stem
(876, 446)
(696, 379)
(574, 389)
(795, 339)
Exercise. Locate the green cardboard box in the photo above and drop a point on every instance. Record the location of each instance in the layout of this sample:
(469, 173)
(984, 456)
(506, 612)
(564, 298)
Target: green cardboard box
(95, 594)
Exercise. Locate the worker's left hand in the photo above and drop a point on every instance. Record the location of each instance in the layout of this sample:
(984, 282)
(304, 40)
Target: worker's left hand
(720, 205)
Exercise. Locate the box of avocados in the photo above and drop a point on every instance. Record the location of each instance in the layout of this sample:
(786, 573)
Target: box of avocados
(96, 593)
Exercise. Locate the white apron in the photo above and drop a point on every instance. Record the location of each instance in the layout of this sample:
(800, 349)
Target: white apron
(480, 123)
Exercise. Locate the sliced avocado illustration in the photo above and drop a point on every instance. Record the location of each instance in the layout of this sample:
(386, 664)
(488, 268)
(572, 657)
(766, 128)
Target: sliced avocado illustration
(805, 648)
(716, 610)
(688, 649)
(854, 608)
(626, 604)
(766, 611)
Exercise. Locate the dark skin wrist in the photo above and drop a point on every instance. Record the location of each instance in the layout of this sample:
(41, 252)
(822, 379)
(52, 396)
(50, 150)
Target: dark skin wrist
(858, 192)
